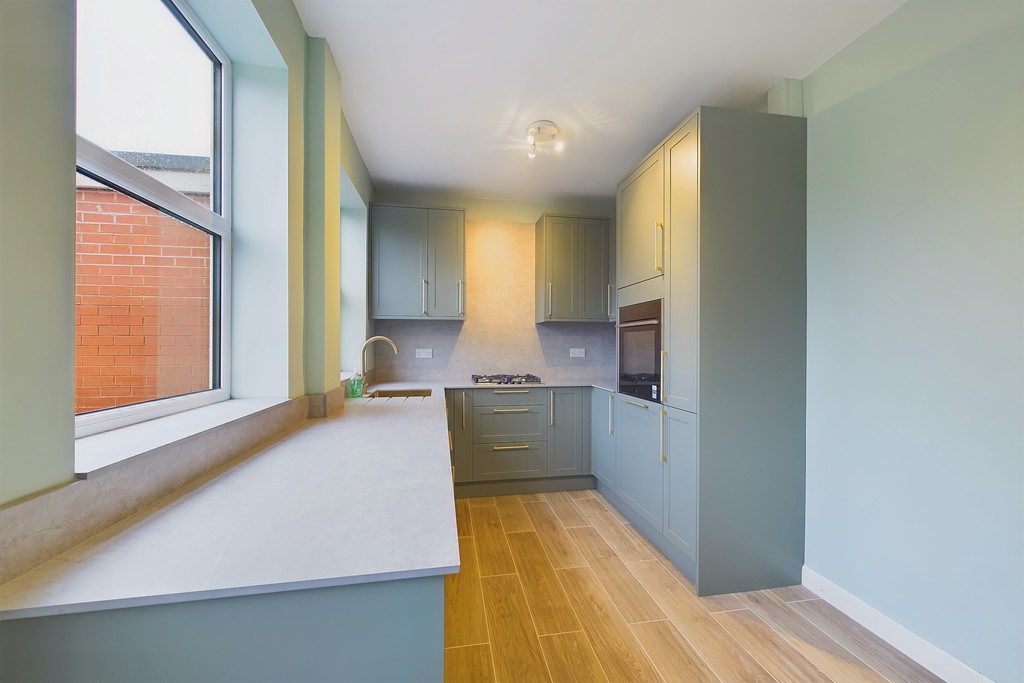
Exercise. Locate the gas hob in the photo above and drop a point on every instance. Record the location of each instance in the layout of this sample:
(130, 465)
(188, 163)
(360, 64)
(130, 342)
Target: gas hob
(506, 379)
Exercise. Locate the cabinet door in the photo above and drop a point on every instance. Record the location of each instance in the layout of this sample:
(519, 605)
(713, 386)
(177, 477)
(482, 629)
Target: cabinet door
(603, 460)
(565, 432)
(399, 261)
(446, 263)
(595, 283)
(681, 480)
(641, 205)
(460, 421)
(681, 311)
(641, 478)
(562, 267)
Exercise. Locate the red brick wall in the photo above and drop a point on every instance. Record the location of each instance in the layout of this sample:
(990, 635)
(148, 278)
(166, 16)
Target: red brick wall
(142, 303)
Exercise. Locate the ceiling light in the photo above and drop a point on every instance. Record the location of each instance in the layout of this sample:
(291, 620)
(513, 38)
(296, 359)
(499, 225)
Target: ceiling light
(540, 132)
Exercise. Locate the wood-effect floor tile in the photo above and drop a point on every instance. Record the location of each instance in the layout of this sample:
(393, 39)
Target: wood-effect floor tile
(625, 545)
(515, 647)
(464, 620)
(530, 497)
(549, 605)
(561, 550)
(621, 656)
(571, 658)
(597, 505)
(724, 656)
(794, 593)
(769, 648)
(629, 596)
(834, 660)
(675, 659)
(660, 557)
(463, 521)
(721, 603)
(582, 493)
(882, 657)
(513, 514)
(566, 511)
(470, 664)
(591, 543)
(491, 546)
(482, 500)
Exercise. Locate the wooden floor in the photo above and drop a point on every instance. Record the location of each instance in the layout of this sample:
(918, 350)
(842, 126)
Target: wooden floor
(559, 587)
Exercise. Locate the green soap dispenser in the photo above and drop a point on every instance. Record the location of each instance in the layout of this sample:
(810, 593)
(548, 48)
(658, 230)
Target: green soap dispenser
(355, 385)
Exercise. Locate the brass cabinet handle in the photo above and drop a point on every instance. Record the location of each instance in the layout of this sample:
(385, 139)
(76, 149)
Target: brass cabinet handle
(658, 252)
(661, 429)
(609, 299)
(511, 410)
(551, 407)
(511, 391)
(549, 300)
(459, 295)
(518, 447)
(424, 296)
(638, 405)
(463, 411)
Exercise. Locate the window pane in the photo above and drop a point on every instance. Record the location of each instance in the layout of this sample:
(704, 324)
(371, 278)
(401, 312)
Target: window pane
(146, 92)
(143, 305)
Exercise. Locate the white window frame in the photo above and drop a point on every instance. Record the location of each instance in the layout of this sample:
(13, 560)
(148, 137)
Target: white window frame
(121, 175)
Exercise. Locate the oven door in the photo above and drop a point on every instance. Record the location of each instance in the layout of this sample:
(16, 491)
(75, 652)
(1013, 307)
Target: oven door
(639, 331)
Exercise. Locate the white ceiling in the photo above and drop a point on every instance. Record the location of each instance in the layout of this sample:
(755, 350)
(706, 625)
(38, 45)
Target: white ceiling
(438, 93)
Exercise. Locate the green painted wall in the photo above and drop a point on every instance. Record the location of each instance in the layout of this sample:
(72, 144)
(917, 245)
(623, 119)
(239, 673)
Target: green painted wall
(37, 240)
(322, 219)
(915, 364)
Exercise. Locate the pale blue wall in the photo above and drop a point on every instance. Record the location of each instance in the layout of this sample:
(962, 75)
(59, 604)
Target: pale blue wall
(915, 396)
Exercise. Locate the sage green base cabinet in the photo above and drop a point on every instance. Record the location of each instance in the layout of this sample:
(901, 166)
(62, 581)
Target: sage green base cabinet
(459, 404)
(417, 262)
(573, 271)
(566, 419)
(604, 461)
(503, 434)
(342, 633)
(640, 478)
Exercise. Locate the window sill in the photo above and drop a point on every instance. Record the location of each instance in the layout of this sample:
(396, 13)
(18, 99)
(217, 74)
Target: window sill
(100, 452)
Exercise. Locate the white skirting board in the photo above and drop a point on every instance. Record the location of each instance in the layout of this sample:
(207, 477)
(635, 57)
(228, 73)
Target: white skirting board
(938, 661)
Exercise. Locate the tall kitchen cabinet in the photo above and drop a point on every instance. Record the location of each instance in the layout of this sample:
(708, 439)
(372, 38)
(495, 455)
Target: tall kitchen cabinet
(732, 250)
(417, 262)
(573, 274)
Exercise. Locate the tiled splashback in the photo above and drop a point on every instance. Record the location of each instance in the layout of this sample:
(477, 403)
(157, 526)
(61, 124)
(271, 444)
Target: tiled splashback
(499, 334)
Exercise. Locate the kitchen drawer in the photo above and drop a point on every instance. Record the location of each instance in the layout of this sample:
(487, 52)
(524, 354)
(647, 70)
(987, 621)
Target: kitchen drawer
(521, 460)
(510, 396)
(498, 424)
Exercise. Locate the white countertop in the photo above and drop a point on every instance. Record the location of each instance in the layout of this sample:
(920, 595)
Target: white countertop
(363, 495)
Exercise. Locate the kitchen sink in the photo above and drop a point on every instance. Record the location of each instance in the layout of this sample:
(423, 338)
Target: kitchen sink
(399, 393)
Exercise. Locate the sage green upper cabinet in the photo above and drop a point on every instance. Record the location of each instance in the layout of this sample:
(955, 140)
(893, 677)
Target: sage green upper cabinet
(573, 274)
(565, 432)
(641, 222)
(679, 386)
(418, 262)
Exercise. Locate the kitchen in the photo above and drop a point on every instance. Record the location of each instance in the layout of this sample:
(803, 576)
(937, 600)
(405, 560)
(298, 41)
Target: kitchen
(881, 245)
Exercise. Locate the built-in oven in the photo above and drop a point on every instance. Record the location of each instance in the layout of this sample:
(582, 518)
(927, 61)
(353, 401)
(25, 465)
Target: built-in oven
(639, 329)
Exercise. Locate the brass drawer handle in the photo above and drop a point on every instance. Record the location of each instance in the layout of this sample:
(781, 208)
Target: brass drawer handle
(511, 391)
(511, 410)
(638, 405)
(520, 447)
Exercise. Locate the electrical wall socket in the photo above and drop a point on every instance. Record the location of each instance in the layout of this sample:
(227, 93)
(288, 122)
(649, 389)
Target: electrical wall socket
(577, 353)
(424, 353)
